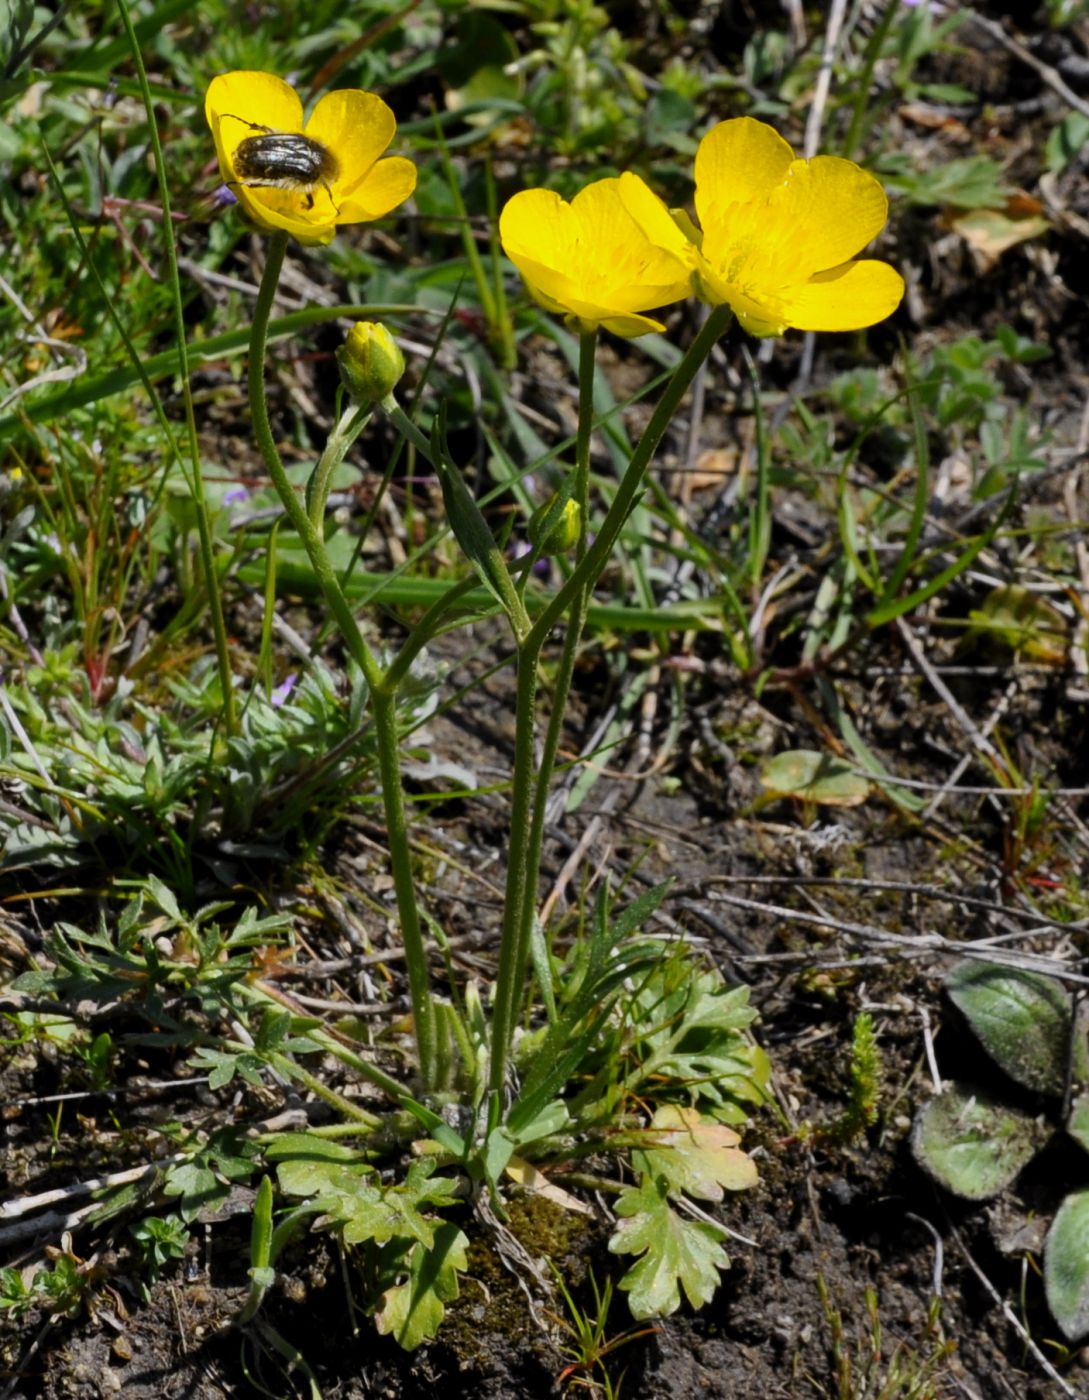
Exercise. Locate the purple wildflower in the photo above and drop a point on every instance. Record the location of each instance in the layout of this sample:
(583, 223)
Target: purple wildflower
(281, 693)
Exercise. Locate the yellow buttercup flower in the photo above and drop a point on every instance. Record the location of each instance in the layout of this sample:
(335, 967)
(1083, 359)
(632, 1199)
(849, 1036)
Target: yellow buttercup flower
(779, 234)
(591, 260)
(305, 178)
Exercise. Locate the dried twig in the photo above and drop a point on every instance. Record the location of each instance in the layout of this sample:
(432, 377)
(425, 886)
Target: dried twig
(910, 945)
(1046, 72)
(12, 1210)
(1009, 1314)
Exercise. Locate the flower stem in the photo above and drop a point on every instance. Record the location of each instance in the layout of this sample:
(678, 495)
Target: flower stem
(576, 622)
(525, 842)
(382, 695)
(352, 422)
(520, 892)
(631, 483)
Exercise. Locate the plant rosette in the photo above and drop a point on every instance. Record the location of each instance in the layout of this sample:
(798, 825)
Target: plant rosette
(305, 178)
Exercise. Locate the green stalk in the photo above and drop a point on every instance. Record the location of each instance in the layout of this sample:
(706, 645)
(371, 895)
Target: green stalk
(196, 475)
(865, 77)
(518, 892)
(576, 622)
(631, 483)
(383, 697)
(291, 1069)
(352, 422)
(520, 901)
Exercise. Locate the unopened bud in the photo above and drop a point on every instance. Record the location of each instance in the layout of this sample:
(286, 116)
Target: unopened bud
(370, 362)
(564, 531)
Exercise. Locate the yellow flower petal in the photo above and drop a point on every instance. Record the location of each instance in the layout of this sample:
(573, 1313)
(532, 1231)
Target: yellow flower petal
(287, 210)
(354, 127)
(778, 234)
(638, 272)
(846, 298)
(239, 104)
(666, 228)
(591, 259)
(833, 209)
(559, 294)
(357, 127)
(538, 224)
(738, 162)
(631, 326)
(387, 184)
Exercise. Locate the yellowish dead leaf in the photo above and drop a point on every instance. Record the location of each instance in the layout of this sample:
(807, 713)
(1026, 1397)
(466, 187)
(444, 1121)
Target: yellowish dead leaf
(526, 1175)
(991, 232)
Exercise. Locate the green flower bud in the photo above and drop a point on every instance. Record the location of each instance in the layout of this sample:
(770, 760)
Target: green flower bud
(564, 531)
(370, 362)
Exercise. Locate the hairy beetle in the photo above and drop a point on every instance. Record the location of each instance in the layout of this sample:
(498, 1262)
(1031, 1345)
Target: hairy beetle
(283, 160)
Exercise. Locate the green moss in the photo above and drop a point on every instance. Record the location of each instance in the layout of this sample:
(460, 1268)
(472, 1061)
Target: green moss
(491, 1310)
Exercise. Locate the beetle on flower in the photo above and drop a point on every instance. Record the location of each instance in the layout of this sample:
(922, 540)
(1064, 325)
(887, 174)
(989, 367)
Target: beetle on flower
(305, 177)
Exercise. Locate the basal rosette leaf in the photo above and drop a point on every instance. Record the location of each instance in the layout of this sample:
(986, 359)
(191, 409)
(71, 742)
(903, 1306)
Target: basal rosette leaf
(412, 1311)
(349, 1197)
(689, 1028)
(677, 1253)
(694, 1155)
(1066, 1266)
(1022, 1019)
(973, 1144)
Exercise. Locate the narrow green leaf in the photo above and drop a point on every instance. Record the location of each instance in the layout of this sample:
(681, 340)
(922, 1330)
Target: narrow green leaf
(919, 504)
(897, 607)
(472, 532)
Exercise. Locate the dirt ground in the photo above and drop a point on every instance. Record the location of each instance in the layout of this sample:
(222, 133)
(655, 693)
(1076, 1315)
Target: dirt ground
(856, 1218)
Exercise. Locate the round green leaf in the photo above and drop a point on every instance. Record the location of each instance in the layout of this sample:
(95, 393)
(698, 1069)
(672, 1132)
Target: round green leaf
(814, 777)
(1021, 1018)
(972, 1144)
(1066, 1266)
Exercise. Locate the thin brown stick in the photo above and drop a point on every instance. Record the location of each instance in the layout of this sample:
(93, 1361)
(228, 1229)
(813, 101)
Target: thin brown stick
(1046, 72)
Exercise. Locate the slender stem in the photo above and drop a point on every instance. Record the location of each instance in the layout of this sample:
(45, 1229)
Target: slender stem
(631, 483)
(576, 622)
(195, 473)
(383, 697)
(384, 710)
(293, 507)
(520, 899)
(292, 1069)
(516, 893)
(352, 422)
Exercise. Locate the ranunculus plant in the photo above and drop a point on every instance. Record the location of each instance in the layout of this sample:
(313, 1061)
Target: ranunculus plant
(777, 246)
